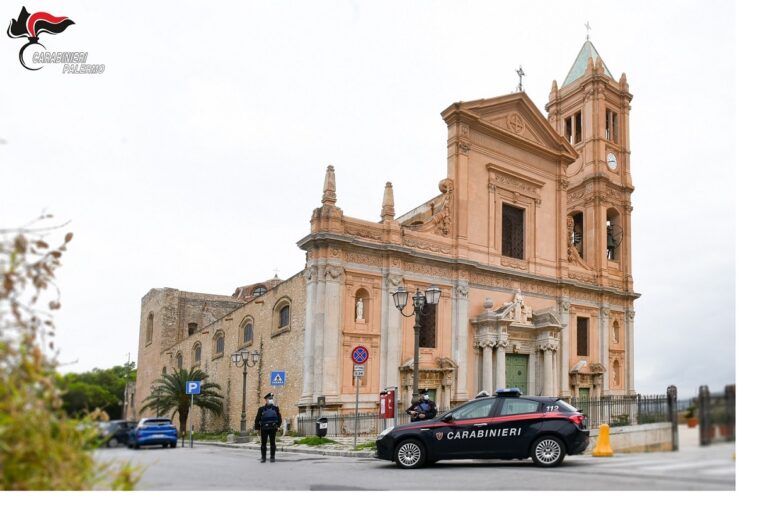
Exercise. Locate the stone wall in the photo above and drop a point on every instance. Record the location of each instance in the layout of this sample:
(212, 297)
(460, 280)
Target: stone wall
(653, 437)
(281, 350)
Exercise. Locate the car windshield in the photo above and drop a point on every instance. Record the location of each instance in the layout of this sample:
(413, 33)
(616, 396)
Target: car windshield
(565, 406)
(157, 422)
(474, 409)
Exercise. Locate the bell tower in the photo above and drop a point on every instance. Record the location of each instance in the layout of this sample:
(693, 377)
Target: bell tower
(591, 111)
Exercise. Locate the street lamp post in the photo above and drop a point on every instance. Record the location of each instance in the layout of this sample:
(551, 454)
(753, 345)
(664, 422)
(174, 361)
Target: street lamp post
(246, 360)
(430, 296)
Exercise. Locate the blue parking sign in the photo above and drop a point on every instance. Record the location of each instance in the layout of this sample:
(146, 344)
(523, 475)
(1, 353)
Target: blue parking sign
(277, 379)
(193, 387)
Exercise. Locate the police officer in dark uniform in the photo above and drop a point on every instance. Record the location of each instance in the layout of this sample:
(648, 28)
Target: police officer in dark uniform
(424, 409)
(268, 420)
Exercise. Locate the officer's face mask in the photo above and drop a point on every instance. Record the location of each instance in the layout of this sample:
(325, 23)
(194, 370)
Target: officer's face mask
(271, 402)
(426, 397)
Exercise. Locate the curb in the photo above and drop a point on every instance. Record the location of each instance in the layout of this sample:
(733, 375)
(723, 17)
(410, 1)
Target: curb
(369, 454)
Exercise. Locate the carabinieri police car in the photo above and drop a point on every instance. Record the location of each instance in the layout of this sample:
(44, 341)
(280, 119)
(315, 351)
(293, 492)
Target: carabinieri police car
(504, 426)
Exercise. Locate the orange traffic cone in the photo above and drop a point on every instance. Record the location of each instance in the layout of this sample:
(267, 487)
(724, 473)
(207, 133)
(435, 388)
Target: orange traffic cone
(603, 446)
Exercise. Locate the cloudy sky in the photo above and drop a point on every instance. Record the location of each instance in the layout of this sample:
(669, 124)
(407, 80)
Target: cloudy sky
(195, 160)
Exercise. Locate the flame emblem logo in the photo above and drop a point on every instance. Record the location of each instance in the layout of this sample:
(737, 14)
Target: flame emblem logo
(438, 435)
(32, 25)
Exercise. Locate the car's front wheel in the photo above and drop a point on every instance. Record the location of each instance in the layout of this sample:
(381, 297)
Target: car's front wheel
(410, 454)
(548, 452)
(112, 443)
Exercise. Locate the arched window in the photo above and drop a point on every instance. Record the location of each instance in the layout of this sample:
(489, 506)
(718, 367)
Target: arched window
(285, 316)
(615, 331)
(246, 332)
(218, 343)
(576, 235)
(179, 360)
(614, 234)
(165, 370)
(281, 316)
(150, 327)
(197, 352)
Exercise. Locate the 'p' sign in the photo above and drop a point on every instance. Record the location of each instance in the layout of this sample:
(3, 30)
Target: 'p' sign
(193, 387)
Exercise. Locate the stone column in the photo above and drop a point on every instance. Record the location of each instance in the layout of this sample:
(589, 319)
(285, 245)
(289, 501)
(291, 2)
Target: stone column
(488, 367)
(604, 341)
(317, 329)
(629, 359)
(548, 348)
(308, 386)
(565, 347)
(392, 329)
(332, 342)
(461, 337)
(501, 359)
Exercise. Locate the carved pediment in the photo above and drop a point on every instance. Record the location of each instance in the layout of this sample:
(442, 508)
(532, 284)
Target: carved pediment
(546, 318)
(514, 116)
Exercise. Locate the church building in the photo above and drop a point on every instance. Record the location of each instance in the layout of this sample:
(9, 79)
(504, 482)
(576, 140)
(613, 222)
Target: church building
(528, 240)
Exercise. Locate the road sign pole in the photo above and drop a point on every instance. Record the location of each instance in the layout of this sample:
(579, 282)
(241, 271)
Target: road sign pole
(192, 425)
(357, 400)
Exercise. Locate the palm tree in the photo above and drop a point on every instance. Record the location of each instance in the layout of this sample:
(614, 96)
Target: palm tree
(170, 395)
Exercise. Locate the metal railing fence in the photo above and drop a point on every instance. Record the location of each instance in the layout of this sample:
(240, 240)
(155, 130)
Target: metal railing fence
(619, 411)
(616, 411)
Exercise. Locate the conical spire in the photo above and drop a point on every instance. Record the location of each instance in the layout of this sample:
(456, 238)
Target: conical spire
(388, 203)
(586, 53)
(329, 187)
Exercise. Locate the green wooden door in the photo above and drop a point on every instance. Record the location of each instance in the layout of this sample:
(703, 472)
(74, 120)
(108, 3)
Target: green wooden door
(517, 372)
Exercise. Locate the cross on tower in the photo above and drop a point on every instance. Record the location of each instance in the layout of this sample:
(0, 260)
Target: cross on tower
(588, 29)
(521, 74)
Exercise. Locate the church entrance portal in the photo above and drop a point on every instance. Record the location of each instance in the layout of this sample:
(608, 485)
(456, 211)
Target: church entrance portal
(517, 372)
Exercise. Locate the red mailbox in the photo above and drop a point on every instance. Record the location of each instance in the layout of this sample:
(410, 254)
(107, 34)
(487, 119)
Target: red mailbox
(387, 404)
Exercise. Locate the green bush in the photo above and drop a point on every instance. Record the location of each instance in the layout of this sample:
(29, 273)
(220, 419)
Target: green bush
(369, 445)
(41, 448)
(315, 441)
(620, 420)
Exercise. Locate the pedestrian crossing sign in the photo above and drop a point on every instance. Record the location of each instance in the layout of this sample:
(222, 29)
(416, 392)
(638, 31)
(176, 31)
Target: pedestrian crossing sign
(277, 379)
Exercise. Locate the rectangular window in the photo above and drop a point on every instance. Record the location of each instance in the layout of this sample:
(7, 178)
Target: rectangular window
(577, 128)
(573, 128)
(611, 125)
(512, 232)
(428, 333)
(191, 328)
(582, 336)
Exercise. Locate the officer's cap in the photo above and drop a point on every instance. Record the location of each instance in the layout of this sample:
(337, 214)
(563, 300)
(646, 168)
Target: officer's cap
(268, 396)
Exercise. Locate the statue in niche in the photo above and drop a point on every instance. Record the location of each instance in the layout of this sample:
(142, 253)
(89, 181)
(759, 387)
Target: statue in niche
(359, 310)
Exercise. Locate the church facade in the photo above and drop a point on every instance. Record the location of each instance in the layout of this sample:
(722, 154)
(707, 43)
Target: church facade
(528, 240)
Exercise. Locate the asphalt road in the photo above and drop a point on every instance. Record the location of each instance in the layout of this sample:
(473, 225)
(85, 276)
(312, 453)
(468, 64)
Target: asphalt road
(215, 468)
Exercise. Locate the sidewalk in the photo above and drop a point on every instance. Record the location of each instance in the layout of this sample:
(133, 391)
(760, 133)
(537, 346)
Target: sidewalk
(341, 446)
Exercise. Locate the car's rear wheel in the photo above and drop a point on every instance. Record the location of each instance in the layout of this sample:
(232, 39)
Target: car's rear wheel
(548, 452)
(410, 454)
(112, 443)
(173, 445)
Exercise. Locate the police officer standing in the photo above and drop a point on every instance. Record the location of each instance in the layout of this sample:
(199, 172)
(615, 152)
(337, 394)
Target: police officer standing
(268, 420)
(424, 409)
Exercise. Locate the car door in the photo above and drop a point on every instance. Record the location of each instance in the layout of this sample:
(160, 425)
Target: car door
(514, 426)
(461, 437)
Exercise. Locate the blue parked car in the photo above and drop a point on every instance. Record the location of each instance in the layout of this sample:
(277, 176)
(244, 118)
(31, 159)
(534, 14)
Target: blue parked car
(153, 431)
